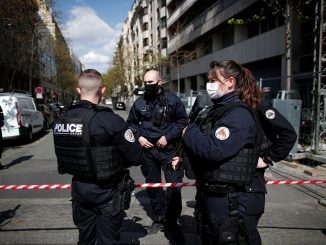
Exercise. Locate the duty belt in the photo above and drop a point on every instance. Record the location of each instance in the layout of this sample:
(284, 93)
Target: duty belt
(216, 188)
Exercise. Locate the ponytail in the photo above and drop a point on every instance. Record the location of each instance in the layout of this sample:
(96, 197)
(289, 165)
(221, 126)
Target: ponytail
(245, 81)
(248, 90)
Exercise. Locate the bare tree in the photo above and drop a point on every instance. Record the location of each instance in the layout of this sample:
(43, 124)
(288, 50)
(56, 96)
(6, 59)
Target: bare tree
(18, 39)
(179, 57)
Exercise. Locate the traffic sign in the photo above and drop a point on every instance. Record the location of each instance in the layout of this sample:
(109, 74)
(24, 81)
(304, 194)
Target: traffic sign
(39, 90)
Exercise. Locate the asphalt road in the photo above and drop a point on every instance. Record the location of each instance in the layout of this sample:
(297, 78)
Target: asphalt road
(293, 214)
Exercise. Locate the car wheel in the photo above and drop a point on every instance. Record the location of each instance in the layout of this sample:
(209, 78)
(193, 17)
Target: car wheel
(30, 135)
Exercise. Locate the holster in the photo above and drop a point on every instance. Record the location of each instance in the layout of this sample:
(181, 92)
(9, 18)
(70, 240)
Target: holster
(126, 187)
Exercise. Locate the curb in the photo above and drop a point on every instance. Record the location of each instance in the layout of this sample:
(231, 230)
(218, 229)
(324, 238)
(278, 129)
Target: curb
(322, 202)
(311, 171)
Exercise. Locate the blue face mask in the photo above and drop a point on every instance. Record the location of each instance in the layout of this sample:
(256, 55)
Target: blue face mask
(213, 90)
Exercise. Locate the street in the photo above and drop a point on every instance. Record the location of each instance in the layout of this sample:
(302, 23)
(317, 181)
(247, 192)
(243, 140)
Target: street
(292, 216)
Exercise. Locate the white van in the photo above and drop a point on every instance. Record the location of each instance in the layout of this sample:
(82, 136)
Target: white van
(21, 117)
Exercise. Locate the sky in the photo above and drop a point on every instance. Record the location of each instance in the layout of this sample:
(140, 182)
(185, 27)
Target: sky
(92, 28)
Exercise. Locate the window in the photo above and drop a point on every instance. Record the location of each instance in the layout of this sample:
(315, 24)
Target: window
(30, 104)
(146, 58)
(163, 3)
(164, 42)
(228, 37)
(264, 26)
(208, 47)
(253, 29)
(163, 22)
(158, 13)
(145, 41)
(145, 26)
(22, 104)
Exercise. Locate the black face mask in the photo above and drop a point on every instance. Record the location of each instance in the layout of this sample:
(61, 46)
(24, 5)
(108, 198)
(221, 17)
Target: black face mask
(151, 89)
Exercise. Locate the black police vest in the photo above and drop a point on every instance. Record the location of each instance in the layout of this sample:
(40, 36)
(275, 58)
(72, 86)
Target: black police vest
(77, 153)
(239, 169)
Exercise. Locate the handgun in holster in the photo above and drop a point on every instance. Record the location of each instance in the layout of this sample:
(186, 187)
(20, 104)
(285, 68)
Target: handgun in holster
(126, 187)
(264, 152)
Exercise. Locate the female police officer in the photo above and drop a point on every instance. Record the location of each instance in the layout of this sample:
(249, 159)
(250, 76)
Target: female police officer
(222, 148)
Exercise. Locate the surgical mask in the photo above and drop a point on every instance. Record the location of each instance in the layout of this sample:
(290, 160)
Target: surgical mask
(213, 90)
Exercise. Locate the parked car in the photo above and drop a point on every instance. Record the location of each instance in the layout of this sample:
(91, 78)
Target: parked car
(119, 106)
(48, 115)
(139, 91)
(21, 117)
(108, 102)
(57, 108)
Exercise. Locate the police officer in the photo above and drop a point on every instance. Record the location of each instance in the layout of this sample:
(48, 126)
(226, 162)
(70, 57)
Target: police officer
(159, 116)
(222, 147)
(92, 143)
(277, 137)
(281, 138)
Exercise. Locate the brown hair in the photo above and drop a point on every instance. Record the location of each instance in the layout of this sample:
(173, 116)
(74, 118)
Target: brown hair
(246, 83)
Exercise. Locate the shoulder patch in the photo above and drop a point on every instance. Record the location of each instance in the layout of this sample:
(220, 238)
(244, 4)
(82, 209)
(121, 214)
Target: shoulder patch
(222, 133)
(270, 114)
(129, 136)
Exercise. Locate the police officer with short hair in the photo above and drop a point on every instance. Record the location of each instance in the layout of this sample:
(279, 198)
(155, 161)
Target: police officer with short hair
(222, 148)
(159, 116)
(92, 144)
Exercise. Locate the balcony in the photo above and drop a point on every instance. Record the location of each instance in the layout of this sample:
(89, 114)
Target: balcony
(146, 34)
(266, 45)
(208, 20)
(163, 12)
(179, 11)
(163, 32)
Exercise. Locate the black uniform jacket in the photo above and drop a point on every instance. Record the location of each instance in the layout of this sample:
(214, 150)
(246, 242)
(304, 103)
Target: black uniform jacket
(141, 114)
(107, 128)
(280, 133)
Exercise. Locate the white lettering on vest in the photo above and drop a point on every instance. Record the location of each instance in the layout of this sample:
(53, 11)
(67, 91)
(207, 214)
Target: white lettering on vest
(68, 129)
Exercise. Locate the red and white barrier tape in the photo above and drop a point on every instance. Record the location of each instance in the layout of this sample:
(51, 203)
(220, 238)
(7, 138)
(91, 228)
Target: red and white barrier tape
(154, 185)
(294, 182)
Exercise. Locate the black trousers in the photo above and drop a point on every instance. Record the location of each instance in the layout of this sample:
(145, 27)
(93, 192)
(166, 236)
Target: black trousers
(97, 214)
(254, 211)
(215, 207)
(165, 205)
(215, 219)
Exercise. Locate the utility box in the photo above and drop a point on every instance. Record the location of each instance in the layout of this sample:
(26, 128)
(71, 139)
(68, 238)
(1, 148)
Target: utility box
(291, 110)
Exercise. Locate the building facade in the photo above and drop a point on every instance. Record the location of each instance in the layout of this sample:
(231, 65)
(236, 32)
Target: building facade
(191, 33)
(144, 39)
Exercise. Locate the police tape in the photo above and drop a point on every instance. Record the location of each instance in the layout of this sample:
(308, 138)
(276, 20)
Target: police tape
(154, 185)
